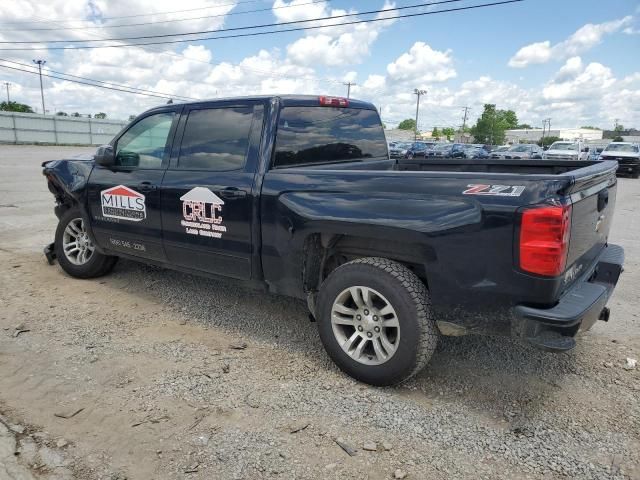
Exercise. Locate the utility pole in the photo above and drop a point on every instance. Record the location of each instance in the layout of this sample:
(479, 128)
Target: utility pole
(40, 63)
(6, 84)
(546, 122)
(464, 120)
(349, 84)
(417, 92)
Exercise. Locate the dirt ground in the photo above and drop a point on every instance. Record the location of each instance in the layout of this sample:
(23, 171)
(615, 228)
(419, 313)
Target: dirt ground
(142, 375)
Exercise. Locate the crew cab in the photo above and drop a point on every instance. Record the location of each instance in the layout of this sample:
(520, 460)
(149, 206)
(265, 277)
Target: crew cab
(298, 195)
(626, 154)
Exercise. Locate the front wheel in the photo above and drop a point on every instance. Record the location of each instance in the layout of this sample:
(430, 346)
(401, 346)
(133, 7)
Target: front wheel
(375, 321)
(75, 250)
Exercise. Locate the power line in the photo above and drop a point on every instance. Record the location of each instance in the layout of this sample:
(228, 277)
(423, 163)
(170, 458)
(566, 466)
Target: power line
(143, 14)
(255, 34)
(163, 21)
(233, 29)
(143, 90)
(87, 83)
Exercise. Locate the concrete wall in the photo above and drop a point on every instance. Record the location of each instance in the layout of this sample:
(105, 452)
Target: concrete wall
(535, 134)
(50, 129)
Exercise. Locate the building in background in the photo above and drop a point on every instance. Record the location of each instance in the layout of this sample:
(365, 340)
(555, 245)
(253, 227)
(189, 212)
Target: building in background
(535, 134)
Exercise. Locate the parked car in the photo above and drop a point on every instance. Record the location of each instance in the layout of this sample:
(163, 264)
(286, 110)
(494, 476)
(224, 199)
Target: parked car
(451, 150)
(522, 151)
(626, 154)
(566, 150)
(500, 149)
(399, 149)
(474, 151)
(594, 152)
(297, 195)
(419, 149)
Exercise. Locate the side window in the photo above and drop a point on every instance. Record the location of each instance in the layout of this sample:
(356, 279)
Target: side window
(144, 145)
(216, 139)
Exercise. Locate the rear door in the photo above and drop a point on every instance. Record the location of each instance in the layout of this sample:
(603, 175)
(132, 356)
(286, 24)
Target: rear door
(206, 194)
(124, 200)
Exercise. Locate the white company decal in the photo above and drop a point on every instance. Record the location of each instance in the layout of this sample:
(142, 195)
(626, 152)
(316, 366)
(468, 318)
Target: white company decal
(496, 190)
(202, 213)
(123, 203)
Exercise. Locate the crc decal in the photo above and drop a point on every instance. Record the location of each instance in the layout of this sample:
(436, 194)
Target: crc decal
(123, 203)
(202, 213)
(495, 190)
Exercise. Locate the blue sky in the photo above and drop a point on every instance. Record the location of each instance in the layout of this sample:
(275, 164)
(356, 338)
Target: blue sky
(587, 73)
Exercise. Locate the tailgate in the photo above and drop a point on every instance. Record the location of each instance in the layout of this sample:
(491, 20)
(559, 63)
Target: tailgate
(593, 200)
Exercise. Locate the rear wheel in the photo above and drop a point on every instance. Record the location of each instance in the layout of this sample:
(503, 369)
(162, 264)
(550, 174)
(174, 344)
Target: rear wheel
(75, 250)
(375, 321)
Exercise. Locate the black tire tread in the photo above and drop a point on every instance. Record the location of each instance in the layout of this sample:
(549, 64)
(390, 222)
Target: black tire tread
(420, 295)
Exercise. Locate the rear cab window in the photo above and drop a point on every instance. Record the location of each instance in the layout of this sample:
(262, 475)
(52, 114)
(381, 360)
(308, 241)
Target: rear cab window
(317, 135)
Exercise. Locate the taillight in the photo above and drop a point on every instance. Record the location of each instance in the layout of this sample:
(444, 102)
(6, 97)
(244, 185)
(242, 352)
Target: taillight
(333, 101)
(544, 239)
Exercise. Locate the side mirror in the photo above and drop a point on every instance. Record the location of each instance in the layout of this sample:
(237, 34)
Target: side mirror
(105, 156)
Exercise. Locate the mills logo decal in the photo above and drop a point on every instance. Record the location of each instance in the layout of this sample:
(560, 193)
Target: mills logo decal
(123, 203)
(202, 213)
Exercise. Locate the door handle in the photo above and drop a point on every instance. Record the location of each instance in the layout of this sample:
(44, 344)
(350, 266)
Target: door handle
(147, 187)
(232, 192)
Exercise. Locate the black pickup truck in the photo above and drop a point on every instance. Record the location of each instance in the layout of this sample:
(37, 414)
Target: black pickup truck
(297, 194)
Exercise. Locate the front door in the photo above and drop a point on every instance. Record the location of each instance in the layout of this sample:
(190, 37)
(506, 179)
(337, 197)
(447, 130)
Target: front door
(207, 190)
(124, 200)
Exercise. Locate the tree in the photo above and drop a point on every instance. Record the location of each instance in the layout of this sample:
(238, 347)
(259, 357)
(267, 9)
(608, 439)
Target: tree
(15, 107)
(492, 124)
(448, 132)
(100, 115)
(524, 126)
(589, 127)
(618, 138)
(62, 114)
(435, 133)
(548, 141)
(75, 114)
(619, 129)
(408, 124)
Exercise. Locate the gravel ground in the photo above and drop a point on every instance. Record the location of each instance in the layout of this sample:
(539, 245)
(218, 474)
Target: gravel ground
(142, 363)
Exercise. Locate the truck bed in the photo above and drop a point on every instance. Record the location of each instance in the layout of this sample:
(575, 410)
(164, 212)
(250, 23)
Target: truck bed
(492, 165)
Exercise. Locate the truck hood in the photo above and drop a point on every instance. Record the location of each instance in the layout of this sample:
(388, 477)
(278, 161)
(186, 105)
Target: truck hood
(568, 153)
(613, 154)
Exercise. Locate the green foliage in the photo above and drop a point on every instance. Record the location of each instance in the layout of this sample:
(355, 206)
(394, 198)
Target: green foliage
(448, 132)
(75, 114)
(619, 128)
(618, 138)
(100, 115)
(435, 133)
(492, 124)
(548, 141)
(524, 126)
(15, 107)
(408, 124)
(62, 114)
(589, 127)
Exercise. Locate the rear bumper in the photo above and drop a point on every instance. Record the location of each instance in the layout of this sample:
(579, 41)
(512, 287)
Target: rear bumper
(579, 308)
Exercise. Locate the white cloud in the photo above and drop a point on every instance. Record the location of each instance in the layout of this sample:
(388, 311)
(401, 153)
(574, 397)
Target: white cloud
(337, 45)
(422, 64)
(583, 39)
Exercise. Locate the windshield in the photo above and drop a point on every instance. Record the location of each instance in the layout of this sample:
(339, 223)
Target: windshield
(621, 147)
(519, 148)
(563, 146)
(442, 147)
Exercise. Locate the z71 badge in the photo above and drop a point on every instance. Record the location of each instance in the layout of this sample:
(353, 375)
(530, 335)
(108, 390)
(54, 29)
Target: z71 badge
(496, 190)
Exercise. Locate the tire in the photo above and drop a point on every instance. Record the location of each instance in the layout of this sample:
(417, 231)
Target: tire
(389, 283)
(94, 265)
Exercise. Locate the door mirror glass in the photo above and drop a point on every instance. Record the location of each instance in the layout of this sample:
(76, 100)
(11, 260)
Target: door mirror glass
(104, 156)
